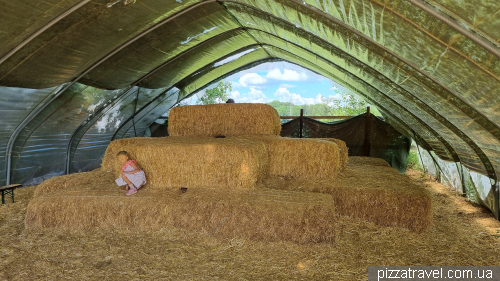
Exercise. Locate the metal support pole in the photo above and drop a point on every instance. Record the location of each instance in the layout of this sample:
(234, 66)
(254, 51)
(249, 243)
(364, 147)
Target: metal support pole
(367, 132)
(135, 110)
(421, 161)
(496, 190)
(462, 178)
(301, 122)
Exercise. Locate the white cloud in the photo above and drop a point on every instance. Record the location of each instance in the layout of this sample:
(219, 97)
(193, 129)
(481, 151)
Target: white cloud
(235, 95)
(284, 95)
(288, 86)
(254, 96)
(335, 97)
(287, 75)
(333, 88)
(250, 79)
(257, 96)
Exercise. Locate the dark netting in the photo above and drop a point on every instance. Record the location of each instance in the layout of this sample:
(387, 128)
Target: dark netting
(384, 141)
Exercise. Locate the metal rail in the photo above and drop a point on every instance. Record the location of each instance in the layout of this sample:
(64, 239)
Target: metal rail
(474, 36)
(44, 28)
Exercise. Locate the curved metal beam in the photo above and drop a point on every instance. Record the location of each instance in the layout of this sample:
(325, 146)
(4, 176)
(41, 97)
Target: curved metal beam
(10, 144)
(433, 113)
(43, 29)
(93, 118)
(139, 111)
(251, 64)
(123, 93)
(99, 112)
(482, 156)
(407, 95)
(420, 104)
(213, 81)
(457, 26)
(420, 28)
(341, 23)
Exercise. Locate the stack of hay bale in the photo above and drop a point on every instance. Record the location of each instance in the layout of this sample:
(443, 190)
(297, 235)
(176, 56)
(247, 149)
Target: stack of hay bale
(220, 152)
(230, 146)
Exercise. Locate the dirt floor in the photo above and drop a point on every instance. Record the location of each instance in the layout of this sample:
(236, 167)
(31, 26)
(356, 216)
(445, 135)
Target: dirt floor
(463, 234)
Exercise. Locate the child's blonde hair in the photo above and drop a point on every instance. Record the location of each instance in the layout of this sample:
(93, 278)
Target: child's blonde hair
(122, 153)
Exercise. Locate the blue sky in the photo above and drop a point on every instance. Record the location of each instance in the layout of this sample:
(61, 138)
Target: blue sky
(279, 81)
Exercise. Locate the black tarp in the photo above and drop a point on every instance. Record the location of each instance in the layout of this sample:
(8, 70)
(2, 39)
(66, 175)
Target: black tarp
(384, 141)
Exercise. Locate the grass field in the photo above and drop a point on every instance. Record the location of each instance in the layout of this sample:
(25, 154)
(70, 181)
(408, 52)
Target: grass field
(413, 161)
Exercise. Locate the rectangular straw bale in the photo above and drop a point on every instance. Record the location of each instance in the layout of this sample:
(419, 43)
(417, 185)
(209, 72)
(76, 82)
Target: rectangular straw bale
(191, 162)
(343, 151)
(383, 196)
(96, 177)
(264, 215)
(301, 158)
(378, 194)
(234, 119)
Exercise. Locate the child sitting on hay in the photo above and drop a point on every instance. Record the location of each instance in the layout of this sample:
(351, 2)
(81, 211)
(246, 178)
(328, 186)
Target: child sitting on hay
(132, 175)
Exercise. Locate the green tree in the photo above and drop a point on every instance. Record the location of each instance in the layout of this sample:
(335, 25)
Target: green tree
(218, 94)
(346, 105)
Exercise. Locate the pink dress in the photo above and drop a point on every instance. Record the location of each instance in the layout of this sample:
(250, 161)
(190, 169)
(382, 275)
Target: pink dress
(138, 179)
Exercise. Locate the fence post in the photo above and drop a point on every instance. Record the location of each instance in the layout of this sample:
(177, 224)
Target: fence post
(367, 132)
(301, 122)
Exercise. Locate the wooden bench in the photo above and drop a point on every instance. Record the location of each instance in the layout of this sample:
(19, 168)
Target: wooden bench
(9, 190)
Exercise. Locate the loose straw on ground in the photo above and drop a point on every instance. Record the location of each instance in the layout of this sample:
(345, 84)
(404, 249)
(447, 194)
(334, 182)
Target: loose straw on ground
(462, 234)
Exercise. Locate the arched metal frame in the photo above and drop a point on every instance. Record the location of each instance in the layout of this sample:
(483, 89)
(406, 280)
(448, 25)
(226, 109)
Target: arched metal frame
(483, 42)
(44, 28)
(57, 93)
(459, 103)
